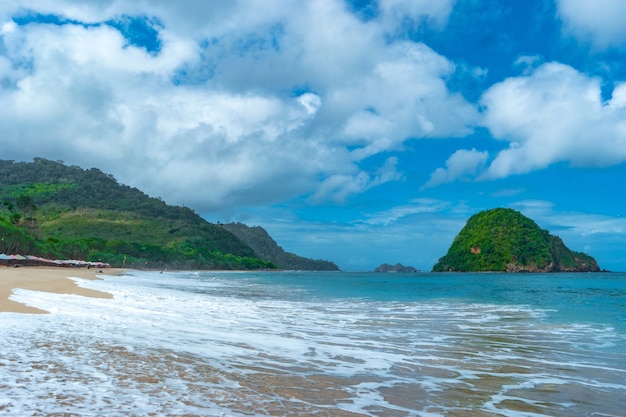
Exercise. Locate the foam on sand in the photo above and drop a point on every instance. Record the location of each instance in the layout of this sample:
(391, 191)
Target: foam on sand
(46, 279)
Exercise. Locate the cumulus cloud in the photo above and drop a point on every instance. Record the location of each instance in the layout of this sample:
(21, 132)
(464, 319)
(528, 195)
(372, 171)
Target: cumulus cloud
(462, 164)
(600, 21)
(405, 95)
(555, 114)
(240, 103)
(552, 114)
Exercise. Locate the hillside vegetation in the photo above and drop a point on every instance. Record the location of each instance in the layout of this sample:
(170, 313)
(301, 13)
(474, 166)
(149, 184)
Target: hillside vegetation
(505, 240)
(266, 248)
(53, 210)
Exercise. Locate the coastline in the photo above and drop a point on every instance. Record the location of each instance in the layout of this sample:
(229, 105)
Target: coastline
(47, 279)
(178, 344)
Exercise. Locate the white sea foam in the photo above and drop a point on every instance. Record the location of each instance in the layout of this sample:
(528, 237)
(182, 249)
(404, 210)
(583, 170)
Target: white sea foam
(199, 344)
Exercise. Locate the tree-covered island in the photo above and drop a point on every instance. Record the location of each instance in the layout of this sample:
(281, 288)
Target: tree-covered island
(505, 240)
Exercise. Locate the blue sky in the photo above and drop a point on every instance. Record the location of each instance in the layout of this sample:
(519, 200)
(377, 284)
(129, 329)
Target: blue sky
(358, 131)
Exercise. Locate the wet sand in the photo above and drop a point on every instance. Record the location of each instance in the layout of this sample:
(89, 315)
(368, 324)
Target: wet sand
(47, 279)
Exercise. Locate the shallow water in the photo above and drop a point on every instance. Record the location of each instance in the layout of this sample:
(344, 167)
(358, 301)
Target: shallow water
(321, 344)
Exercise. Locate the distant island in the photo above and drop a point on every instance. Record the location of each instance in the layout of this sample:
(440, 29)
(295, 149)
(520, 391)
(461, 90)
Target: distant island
(55, 211)
(504, 240)
(395, 268)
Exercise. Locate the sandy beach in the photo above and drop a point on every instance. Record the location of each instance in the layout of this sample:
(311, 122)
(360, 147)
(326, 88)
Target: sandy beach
(48, 279)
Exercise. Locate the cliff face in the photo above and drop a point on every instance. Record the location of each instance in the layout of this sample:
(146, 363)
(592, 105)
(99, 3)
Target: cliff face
(505, 240)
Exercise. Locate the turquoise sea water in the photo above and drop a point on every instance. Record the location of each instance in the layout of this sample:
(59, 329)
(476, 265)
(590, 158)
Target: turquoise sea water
(321, 344)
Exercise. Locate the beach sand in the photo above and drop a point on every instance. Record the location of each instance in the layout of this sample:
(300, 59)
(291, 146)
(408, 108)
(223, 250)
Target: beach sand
(48, 279)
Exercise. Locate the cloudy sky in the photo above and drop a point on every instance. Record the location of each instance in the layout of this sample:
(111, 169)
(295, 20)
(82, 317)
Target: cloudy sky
(358, 131)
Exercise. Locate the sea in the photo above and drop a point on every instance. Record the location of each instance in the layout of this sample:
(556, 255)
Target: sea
(320, 344)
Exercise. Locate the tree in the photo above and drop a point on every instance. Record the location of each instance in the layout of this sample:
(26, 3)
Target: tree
(28, 208)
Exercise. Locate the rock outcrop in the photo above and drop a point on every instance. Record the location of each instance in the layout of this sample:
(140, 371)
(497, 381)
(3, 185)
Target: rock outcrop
(395, 268)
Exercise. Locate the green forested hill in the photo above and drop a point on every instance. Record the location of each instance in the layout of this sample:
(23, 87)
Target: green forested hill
(53, 210)
(505, 240)
(268, 249)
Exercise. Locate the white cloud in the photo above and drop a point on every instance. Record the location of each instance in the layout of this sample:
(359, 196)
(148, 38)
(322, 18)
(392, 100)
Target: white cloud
(618, 99)
(584, 225)
(395, 214)
(534, 208)
(554, 115)
(528, 63)
(404, 96)
(244, 102)
(7, 28)
(434, 11)
(601, 21)
(462, 164)
(507, 192)
(572, 223)
(311, 102)
(340, 187)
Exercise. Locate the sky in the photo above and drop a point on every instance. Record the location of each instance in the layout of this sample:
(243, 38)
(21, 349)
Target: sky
(358, 131)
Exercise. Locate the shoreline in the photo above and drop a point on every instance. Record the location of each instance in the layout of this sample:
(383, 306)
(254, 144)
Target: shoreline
(47, 279)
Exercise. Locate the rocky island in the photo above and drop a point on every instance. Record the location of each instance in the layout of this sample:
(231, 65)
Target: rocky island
(395, 268)
(504, 240)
